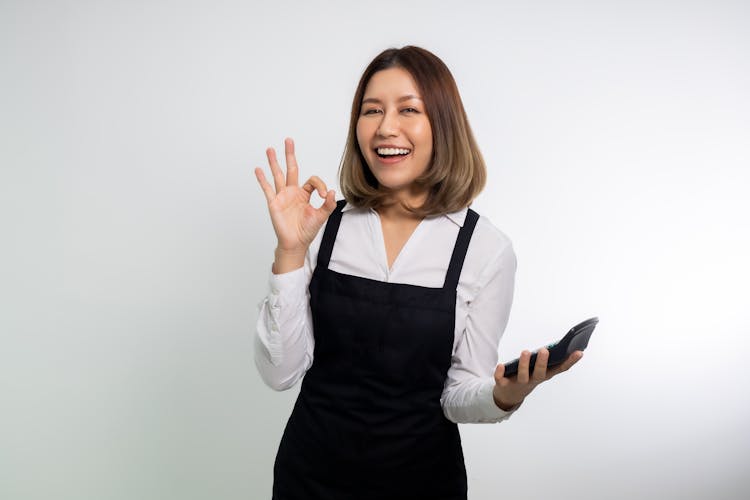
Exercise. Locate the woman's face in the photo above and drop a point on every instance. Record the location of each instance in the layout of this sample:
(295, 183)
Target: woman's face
(394, 133)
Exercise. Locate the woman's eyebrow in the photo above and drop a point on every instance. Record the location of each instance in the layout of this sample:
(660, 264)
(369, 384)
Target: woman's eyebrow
(400, 99)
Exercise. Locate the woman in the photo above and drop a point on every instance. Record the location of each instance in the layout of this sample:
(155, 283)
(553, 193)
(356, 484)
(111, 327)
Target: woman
(394, 311)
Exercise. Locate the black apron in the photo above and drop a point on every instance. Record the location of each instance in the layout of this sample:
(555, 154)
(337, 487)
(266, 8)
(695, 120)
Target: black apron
(367, 423)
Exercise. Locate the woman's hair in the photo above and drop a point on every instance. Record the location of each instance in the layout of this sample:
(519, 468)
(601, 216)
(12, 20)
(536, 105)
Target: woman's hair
(456, 174)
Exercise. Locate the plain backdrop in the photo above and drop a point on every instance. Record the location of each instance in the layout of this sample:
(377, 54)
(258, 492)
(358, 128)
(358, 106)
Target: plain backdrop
(135, 243)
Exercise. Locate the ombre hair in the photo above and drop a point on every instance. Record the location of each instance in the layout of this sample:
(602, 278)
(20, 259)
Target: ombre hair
(456, 174)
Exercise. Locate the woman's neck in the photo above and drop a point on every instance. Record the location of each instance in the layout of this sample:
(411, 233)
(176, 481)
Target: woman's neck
(393, 209)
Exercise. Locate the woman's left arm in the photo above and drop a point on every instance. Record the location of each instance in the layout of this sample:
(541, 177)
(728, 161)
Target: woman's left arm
(488, 295)
(476, 390)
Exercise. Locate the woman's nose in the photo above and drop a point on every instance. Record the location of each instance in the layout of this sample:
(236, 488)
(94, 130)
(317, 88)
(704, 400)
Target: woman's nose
(388, 126)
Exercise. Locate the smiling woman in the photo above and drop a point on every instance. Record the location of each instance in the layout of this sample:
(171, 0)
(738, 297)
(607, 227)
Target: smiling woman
(411, 91)
(389, 305)
(395, 136)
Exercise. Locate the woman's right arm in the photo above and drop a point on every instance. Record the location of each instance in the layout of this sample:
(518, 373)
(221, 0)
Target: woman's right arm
(284, 340)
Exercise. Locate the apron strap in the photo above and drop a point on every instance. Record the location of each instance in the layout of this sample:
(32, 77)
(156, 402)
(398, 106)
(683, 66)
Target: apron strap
(459, 250)
(329, 236)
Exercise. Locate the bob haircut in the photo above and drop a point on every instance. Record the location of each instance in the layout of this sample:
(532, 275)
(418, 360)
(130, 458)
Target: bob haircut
(456, 174)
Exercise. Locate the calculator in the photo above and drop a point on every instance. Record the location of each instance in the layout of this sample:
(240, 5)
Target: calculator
(576, 339)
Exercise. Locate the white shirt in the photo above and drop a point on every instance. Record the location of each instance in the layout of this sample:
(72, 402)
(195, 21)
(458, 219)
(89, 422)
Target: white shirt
(284, 338)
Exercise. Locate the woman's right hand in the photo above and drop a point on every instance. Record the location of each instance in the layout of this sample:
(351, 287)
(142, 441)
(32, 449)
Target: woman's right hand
(294, 219)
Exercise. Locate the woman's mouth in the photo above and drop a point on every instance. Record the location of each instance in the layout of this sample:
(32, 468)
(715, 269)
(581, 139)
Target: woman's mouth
(391, 155)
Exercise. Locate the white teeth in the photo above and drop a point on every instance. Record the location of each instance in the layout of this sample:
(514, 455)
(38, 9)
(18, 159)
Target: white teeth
(392, 151)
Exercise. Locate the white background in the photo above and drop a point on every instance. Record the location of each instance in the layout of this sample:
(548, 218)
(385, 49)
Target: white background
(136, 244)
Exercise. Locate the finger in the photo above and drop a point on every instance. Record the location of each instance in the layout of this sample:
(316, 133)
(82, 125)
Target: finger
(315, 183)
(329, 205)
(499, 374)
(278, 175)
(264, 185)
(326, 209)
(540, 367)
(523, 367)
(292, 170)
(574, 358)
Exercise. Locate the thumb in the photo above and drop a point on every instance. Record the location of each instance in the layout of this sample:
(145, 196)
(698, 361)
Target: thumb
(324, 211)
(329, 205)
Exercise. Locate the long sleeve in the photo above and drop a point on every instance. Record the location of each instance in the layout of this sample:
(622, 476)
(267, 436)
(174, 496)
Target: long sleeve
(467, 396)
(284, 340)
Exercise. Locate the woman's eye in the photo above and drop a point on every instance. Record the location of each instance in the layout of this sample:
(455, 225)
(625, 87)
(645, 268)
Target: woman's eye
(411, 110)
(370, 111)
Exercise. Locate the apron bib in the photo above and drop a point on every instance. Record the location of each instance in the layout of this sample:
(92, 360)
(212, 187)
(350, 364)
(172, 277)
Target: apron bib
(367, 423)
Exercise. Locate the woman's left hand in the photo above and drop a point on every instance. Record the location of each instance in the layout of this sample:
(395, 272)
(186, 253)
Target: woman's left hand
(510, 392)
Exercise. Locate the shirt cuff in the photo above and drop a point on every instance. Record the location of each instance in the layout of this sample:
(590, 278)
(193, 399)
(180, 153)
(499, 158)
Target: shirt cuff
(287, 289)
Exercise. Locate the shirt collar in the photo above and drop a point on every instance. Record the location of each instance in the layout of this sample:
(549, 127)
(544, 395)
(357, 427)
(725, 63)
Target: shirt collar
(458, 217)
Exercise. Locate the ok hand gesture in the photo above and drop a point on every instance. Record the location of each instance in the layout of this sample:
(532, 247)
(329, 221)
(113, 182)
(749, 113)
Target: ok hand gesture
(294, 219)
